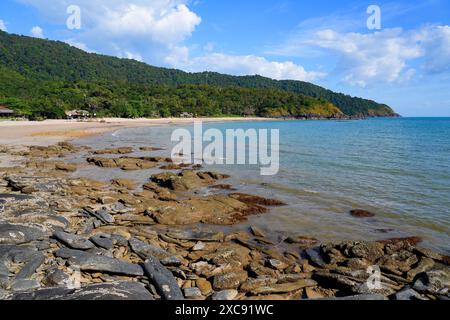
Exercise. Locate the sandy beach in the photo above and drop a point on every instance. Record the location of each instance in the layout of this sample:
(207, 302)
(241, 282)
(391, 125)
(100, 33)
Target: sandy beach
(51, 131)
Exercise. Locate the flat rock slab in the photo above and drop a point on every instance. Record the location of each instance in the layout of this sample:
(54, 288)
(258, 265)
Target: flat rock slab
(126, 290)
(18, 234)
(145, 250)
(285, 287)
(74, 241)
(163, 280)
(195, 235)
(96, 263)
(30, 268)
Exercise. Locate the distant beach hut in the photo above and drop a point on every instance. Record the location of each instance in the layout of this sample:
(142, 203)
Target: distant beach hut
(78, 114)
(5, 112)
(186, 115)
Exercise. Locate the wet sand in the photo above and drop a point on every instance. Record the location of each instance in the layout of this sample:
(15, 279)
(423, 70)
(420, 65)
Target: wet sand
(51, 131)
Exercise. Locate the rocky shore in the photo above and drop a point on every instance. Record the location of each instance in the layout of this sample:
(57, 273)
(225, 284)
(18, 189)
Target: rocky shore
(65, 237)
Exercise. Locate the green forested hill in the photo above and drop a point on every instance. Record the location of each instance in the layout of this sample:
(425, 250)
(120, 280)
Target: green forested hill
(47, 77)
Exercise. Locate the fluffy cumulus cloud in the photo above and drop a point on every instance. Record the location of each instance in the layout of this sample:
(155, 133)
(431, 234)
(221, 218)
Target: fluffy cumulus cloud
(386, 56)
(241, 65)
(37, 32)
(167, 24)
(367, 59)
(3, 25)
(161, 21)
(435, 42)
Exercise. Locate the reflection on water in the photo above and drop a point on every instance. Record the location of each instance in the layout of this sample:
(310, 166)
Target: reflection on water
(396, 168)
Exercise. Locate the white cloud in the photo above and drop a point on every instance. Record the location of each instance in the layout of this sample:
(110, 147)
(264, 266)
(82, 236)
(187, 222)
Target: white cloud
(126, 28)
(37, 32)
(79, 45)
(436, 44)
(3, 25)
(167, 25)
(133, 56)
(162, 21)
(366, 59)
(240, 65)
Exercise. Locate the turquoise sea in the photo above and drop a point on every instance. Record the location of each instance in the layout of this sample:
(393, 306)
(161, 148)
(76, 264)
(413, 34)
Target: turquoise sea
(397, 168)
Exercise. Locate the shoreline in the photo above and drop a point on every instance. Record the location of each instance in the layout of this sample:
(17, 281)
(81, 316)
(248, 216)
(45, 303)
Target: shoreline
(118, 232)
(115, 231)
(52, 131)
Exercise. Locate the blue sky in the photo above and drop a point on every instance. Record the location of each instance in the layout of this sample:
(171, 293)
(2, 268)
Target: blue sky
(405, 64)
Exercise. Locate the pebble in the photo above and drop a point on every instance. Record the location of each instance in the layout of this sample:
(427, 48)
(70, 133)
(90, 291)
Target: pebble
(225, 295)
(199, 246)
(192, 293)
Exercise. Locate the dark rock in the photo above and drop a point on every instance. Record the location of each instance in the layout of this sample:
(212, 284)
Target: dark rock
(145, 250)
(171, 261)
(103, 241)
(225, 295)
(192, 293)
(163, 280)
(4, 271)
(73, 241)
(125, 290)
(435, 282)
(316, 257)
(18, 234)
(408, 294)
(17, 254)
(196, 235)
(361, 214)
(4, 295)
(30, 268)
(92, 262)
(256, 200)
(67, 253)
(57, 278)
(119, 240)
(102, 215)
(24, 285)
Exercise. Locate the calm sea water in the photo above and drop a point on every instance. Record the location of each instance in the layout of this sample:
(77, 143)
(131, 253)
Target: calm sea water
(396, 168)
